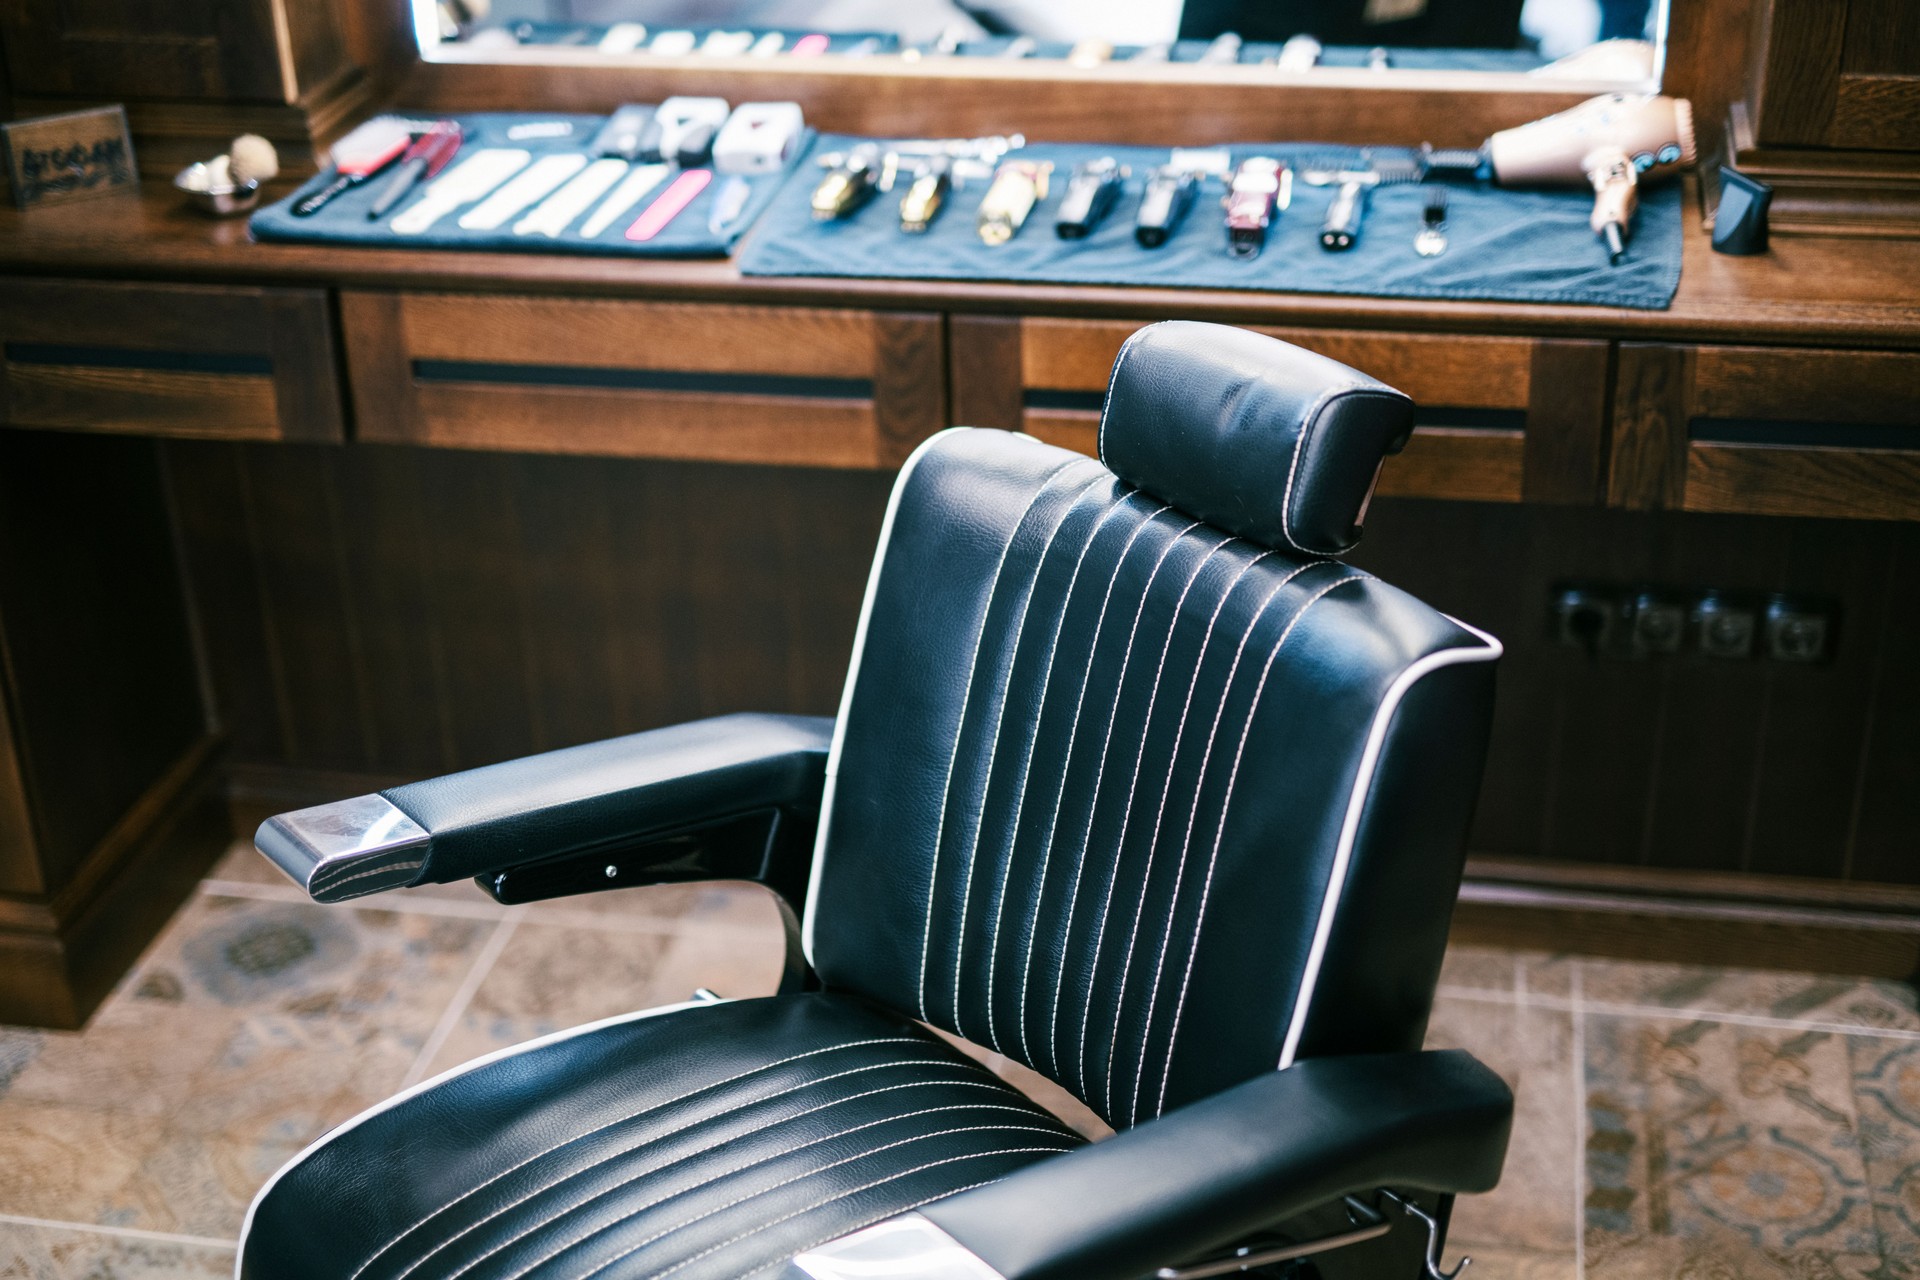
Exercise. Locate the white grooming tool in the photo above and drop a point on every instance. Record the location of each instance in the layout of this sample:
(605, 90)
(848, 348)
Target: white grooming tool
(644, 178)
(758, 137)
(533, 184)
(569, 202)
(768, 45)
(672, 44)
(467, 181)
(623, 37)
(727, 44)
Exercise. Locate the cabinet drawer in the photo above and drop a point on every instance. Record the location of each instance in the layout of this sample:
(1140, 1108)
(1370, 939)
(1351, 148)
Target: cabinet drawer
(791, 385)
(1767, 432)
(168, 360)
(1500, 418)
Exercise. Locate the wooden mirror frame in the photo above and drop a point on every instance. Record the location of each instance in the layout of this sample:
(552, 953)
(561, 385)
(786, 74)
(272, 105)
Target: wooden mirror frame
(1173, 105)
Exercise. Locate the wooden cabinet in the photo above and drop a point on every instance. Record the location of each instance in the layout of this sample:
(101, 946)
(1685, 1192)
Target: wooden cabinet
(1502, 419)
(168, 360)
(694, 381)
(1767, 432)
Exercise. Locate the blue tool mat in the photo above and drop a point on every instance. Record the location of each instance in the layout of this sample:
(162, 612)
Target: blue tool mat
(1504, 246)
(344, 220)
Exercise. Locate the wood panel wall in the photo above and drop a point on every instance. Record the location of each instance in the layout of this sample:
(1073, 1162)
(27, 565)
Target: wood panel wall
(388, 613)
(1684, 762)
(401, 612)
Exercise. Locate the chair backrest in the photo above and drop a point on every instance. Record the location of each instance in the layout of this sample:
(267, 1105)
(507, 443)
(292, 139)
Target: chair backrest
(1131, 782)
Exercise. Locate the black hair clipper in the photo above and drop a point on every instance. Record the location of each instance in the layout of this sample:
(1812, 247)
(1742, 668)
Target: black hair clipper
(1091, 193)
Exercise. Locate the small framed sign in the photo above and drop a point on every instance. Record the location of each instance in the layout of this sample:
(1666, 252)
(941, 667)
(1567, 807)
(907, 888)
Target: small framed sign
(69, 157)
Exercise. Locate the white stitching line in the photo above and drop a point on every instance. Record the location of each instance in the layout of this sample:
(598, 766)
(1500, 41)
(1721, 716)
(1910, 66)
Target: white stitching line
(1126, 811)
(413, 1091)
(1113, 378)
(872, 1222)
(1226, 807)
(847, 1195)
(1186, 840)
(758, 1161)
(1066, 766)
(799, 1177)
(1356, 803)
(993, 752)
(635, 1115)
(1193, 815)
(656, 1139)
(1026, 771)
(1160, 811)
(960, 725)
(1106, 747)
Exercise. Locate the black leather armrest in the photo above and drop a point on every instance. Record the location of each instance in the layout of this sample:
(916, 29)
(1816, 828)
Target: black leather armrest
(711, 799)
(1197, 1180)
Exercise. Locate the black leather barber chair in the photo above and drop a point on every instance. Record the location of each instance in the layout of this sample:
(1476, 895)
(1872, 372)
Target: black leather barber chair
(1131, 782)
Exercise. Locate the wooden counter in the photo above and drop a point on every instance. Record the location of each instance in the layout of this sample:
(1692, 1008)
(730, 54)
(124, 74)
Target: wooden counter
(430, 509)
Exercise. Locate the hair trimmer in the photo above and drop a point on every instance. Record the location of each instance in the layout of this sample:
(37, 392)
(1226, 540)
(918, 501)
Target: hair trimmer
(1613, 142)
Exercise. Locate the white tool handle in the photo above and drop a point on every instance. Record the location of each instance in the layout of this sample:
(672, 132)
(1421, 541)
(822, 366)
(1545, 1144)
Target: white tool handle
(559, 210)
(469, 180)
(541, 177)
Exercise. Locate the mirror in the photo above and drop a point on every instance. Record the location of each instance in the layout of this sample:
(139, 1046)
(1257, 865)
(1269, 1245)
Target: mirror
(1617, 43)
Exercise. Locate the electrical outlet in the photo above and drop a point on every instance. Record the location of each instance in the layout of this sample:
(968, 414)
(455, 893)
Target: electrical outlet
(1797, 631)
(1583, 618)
(1724, 628)
(1656, 623)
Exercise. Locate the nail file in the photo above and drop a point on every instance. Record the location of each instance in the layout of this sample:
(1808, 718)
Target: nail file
(668, 207)
(467, 181)
(632, 188)
(534, 183)
(672, 44)
(727, 44)
(623, 37)
(558, 211)
(768, 45)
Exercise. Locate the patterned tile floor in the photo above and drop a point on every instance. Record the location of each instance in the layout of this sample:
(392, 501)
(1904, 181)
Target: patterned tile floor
(1673, 1122)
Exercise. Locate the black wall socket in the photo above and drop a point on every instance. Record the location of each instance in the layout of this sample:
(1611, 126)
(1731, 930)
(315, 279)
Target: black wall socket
(1652, 621)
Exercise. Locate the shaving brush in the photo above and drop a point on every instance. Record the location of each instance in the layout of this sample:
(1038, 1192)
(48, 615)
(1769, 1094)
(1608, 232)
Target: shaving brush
(252, 158)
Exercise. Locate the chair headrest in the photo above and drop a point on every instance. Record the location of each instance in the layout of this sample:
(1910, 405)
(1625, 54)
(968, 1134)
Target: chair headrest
(1251, 434)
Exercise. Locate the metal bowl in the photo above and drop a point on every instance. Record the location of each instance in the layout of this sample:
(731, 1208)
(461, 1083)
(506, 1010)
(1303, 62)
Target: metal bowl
(217, 199)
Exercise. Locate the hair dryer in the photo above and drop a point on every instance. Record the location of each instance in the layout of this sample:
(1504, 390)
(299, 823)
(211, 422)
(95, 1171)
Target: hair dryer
(1613, 142)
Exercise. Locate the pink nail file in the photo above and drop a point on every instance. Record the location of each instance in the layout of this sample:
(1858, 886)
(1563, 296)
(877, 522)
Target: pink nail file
(670, 204)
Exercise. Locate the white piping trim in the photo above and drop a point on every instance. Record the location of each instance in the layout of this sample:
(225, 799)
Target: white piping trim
(1356, 804)
(853, 678)
(378, 1108)
(1113, 379)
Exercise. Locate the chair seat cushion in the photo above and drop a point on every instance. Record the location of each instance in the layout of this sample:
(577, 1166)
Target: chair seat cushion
(703, 1142)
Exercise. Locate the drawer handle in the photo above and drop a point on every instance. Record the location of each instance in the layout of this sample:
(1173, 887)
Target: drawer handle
(739, 384)
(1806, 435)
